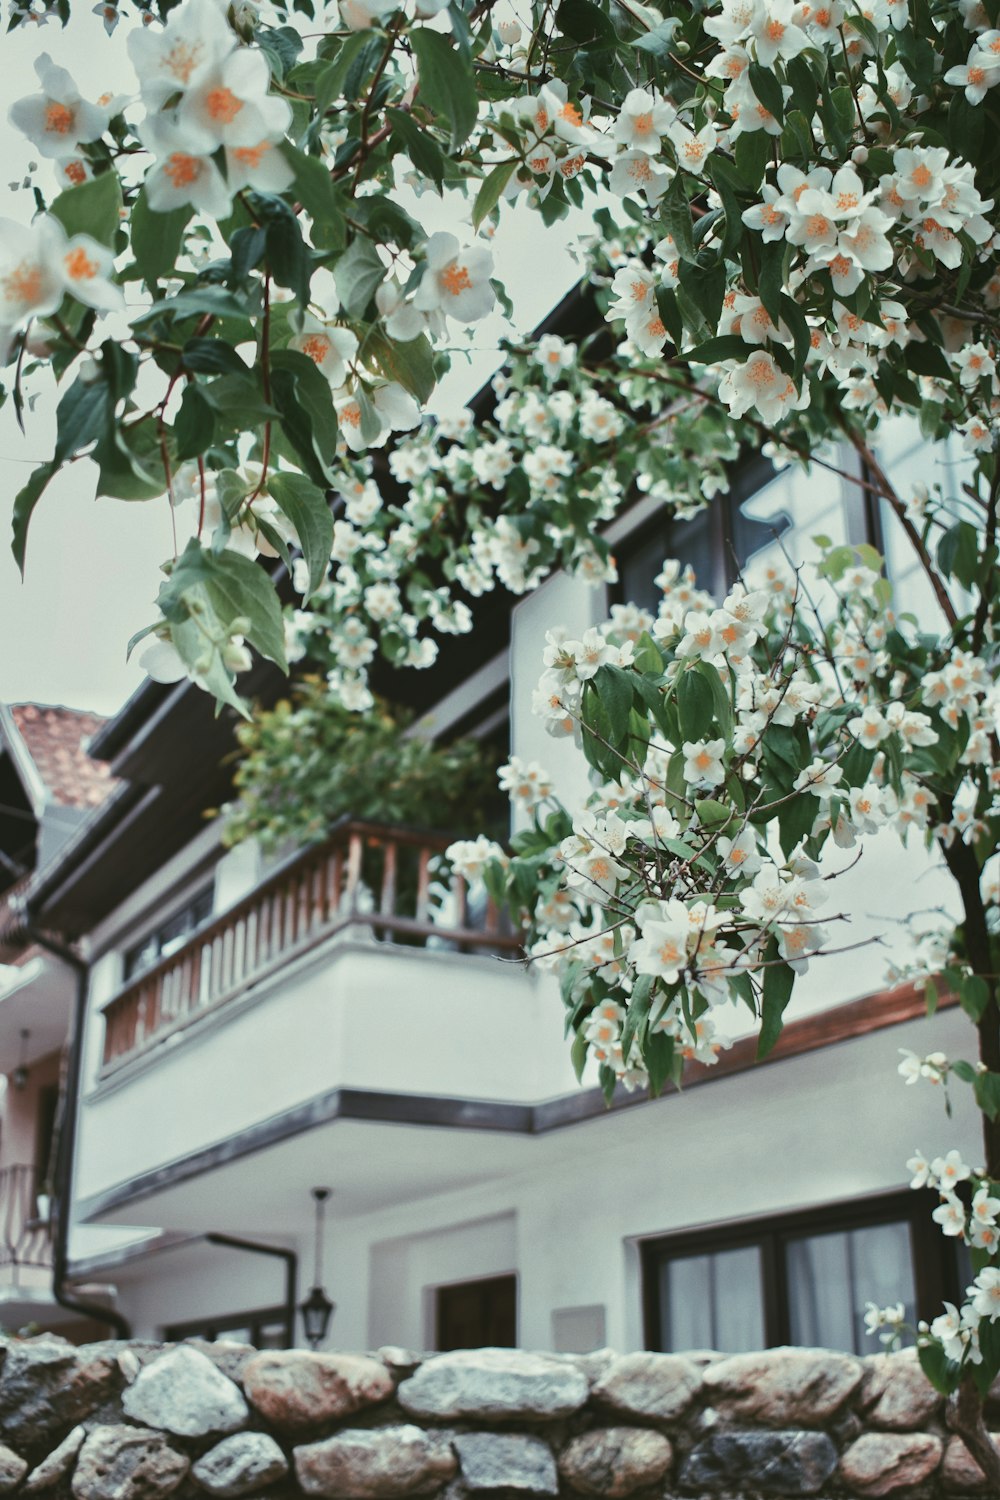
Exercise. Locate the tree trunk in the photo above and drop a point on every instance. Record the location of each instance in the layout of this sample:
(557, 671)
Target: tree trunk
(965, 1416)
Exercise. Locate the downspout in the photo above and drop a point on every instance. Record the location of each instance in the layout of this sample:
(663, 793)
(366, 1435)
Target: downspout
(291, 1273)
(66, 1145)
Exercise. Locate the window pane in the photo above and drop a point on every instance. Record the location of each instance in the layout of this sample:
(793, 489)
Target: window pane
(832, 1276)
(640, 563)
(713, 1301)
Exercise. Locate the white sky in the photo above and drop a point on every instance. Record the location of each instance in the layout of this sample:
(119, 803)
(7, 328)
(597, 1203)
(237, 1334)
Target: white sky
(93, 567)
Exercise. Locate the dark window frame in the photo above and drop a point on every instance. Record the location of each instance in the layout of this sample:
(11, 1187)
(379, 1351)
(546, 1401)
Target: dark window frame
(132, 965)
(936, 1271)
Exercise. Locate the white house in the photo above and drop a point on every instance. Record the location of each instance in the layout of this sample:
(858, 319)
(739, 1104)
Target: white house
(254, 1033)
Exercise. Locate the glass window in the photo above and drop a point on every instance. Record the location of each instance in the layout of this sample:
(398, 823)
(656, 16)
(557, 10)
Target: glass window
(832, 1276)
(802, 1278)
(714, 1301)
(173, 934)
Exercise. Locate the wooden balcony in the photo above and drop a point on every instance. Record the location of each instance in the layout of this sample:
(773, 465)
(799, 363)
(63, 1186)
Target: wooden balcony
(365, 875)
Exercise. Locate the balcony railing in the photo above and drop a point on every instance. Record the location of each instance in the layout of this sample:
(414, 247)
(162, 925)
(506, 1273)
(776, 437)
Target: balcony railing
(24, 1234)
(364, 874)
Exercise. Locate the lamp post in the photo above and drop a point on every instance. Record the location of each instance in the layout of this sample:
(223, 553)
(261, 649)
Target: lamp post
(19, 1077)
(317, 1309)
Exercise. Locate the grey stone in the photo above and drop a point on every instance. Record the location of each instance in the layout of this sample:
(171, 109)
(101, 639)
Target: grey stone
(296, 1389)
(401, 1362)
(783, 1386)
(240, 1464)
(615, 1461)
(961, 1472)
(58, 1463)
(46, 1384)
(127, 1463)
(12, 1469)
(378, 1463)
(896, 1394)
(661, 1386)
(227, 1355)
(495, 1385)
(880, 1462)
(182, 1392)
(498, 1463)
(780, 1463)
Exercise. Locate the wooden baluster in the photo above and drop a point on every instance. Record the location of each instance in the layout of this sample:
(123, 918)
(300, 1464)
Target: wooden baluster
(460, 891)
(240, 954)
(192, 997)
(253, 932)
(423, 908)
(215, 972)
(387, 903)
(334, 881)
(304, 902)
(492, 924)
(355, 856)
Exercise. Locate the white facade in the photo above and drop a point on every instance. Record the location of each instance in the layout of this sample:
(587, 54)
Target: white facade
(431, 1090)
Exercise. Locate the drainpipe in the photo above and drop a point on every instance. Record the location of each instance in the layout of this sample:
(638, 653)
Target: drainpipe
(66, 1145)
(291, 1273)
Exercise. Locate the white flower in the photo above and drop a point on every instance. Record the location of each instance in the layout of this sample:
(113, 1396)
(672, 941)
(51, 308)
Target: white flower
(469, 857)
(633, 172)
(762, 384)
(642, 120)
(330, 349)
(169, 61)
(161, 661)
(920, 1167)
(57, 119)
(985, 1293)
(262, 166)
(229, 104)
(662, 949)
(951, 1217)
(359, 15)
(693, 150)
(183, 173)
(456, 281)
(949, 1170)
(703, 762)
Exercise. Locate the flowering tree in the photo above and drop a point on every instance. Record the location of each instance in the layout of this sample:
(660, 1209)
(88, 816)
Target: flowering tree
(795, 206)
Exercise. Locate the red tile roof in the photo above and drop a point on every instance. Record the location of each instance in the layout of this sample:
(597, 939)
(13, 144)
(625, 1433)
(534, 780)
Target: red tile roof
(55, 738)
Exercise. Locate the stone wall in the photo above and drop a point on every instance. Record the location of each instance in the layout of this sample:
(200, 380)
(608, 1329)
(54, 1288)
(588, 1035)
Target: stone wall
(140, 1421)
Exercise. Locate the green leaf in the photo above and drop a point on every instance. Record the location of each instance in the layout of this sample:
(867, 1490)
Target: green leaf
(695, 705)
(195, 302)
(130, 463)
(357, 273)
(91, 208)
(987, 1091)
(234, 588)
(419, 145)
(943, 1374)
(768, 90)
(307, 508)
(578, 1055)
(24, 504)
(82, 416)
(492, 186)
(290, 261)
(660, 1060)
(212, 357)
(314, 187)
(156, 237)
(194, 425)
(638, 1010)
(675, 215)
(778, 981)
(411, 363)
(614, 688)
(658, 41)
(796, 819)
(303, 398)
(715, 351)
(331, 82)
(752, 154)
(446, 81)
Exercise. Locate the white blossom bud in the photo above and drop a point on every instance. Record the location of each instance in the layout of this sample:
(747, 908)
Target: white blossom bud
(859, 155)
(509, 32)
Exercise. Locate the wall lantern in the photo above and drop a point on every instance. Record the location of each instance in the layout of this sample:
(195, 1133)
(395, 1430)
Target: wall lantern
(19, 1077)
(317, 1309)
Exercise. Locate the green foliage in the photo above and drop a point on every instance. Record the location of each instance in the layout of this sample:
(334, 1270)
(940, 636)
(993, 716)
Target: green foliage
(309, 761)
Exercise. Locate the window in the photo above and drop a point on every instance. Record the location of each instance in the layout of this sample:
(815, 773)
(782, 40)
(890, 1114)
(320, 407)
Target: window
(766, 515)
(801, 1279)
(476, 1314)
(173, 934)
